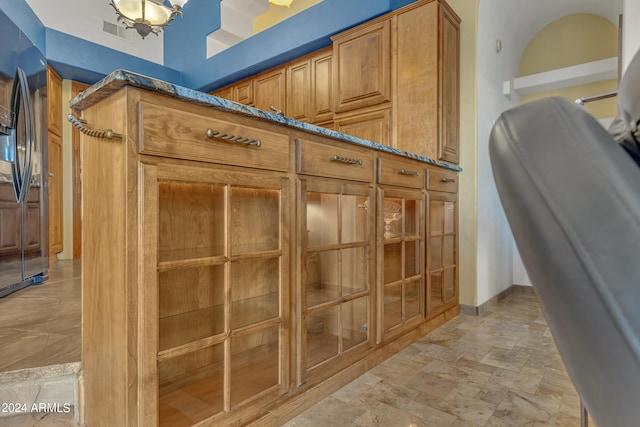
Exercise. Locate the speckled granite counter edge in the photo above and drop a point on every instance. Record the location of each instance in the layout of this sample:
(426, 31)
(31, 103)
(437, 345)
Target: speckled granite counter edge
(120, 78)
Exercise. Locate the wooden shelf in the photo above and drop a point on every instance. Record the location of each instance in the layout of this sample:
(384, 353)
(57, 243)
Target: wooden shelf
(255, 309)
(198, 394)
(187, 327)
(177, 257)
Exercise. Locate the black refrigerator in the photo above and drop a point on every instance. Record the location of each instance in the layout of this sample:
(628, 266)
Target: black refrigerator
(24, 243)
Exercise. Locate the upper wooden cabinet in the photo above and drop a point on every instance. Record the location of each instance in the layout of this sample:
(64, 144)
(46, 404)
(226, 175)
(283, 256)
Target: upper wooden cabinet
(310, 88)
(449, 77)
(370, 125)
(363, 66)
(269, 90)
(322, 86)
(241, 92)
(54, 163)
(225, 92)
(426, 52)
(402, 68)
(299, 91)
(54, 101)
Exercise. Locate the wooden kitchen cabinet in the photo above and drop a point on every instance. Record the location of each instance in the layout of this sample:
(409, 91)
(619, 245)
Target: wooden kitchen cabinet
(401, 258)
(241, 92)
(225, 92)
(310, 88)
(208, 275)
(374, 126)
(449, 83)
(254, 267)
(363, 66)
(426, 58)
(298, 93)
(54, 101)
(443, 241)
(216, 294)
(269, 90)
(54, 147)
(393, 80)
(55, 165)
(336, 265)
(322, 82)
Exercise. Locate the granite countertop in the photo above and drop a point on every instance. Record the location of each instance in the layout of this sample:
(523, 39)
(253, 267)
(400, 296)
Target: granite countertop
(120, 78)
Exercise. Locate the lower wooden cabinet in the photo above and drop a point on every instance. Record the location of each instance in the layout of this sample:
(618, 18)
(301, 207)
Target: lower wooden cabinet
(401, 254)
(443, 242)
(401, 260)
(215, 315)
(336, 271)
(219, 289)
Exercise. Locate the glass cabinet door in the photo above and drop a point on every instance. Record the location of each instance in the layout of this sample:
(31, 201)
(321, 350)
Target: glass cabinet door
(443, 257)
(336, 271)
(220, 285)
(401, 259)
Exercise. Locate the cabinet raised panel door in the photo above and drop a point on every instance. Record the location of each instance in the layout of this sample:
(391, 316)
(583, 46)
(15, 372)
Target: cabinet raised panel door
(363, 61)
(269, 91)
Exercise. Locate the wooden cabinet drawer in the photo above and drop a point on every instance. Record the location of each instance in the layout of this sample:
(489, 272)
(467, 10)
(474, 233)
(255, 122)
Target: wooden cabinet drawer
(401, 173)
(173, 133)
(442, 180)
(314, 158)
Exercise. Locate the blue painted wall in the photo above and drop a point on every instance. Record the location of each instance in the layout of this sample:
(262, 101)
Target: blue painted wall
(77, 59)
(185, 43)
(22, 15)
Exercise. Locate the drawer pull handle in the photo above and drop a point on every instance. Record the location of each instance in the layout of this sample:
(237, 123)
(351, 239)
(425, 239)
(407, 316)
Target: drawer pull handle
(346, 160)
(447, 180)
(97, 133)
(407, 172)
(275, 110)
(233, 138)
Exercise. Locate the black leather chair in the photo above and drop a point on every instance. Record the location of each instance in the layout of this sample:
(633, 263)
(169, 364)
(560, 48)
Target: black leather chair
(571, 193)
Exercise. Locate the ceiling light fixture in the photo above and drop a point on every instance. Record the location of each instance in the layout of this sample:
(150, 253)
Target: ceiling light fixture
(281, 2)
(147, 16)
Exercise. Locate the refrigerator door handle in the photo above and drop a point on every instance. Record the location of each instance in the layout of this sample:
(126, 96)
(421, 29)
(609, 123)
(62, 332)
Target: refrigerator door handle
(25, 93)
(21, 104)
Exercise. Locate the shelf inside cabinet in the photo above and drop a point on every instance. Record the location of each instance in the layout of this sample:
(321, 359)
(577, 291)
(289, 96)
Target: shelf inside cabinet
(191, 326)
(192, 385)
(254, 310)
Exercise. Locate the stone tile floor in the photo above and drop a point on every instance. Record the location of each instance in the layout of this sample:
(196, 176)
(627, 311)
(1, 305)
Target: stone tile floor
(498, 369)
(40, 325)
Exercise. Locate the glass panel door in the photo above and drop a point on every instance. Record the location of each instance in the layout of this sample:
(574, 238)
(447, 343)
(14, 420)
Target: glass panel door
(443, 264)
(402, 258)
(336, 271)
(221, 283)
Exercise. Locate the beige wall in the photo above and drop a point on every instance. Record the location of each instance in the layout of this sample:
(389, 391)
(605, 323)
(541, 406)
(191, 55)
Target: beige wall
(67, 176)
(572, 40)
(468, 261)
